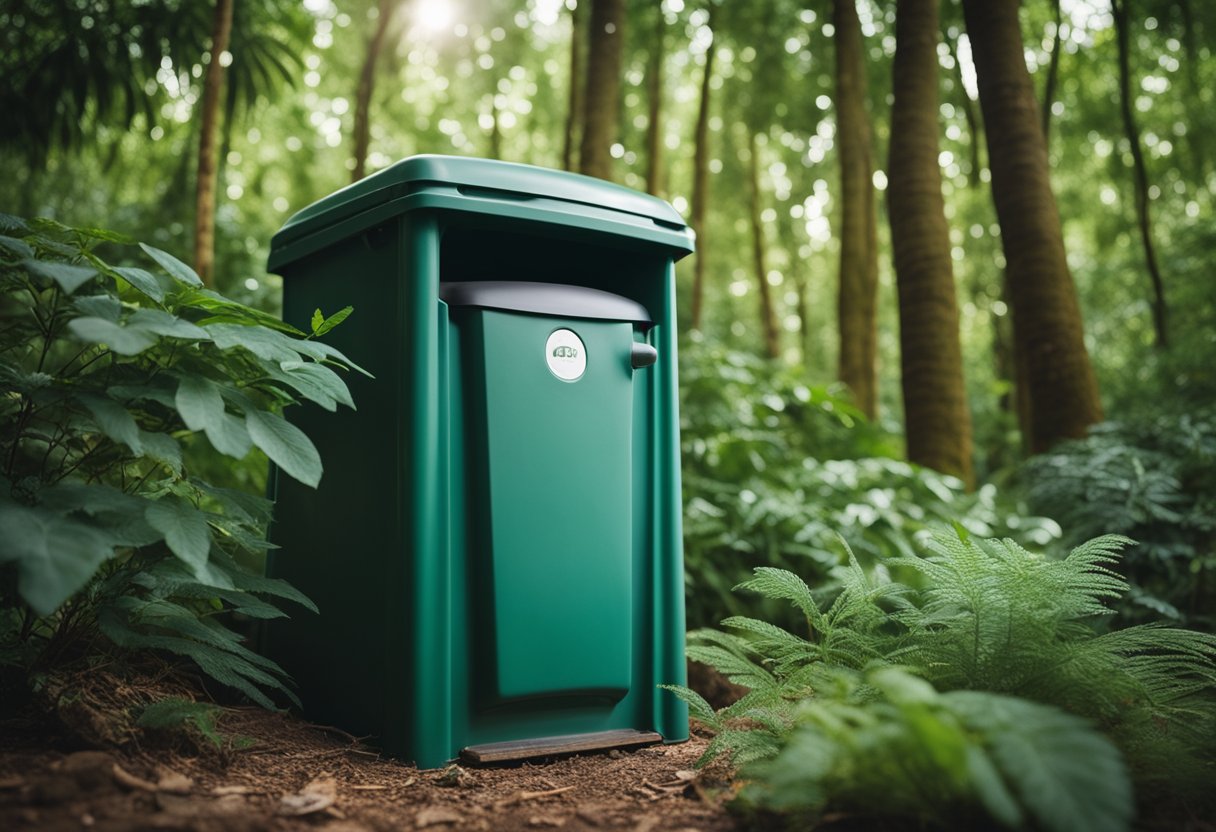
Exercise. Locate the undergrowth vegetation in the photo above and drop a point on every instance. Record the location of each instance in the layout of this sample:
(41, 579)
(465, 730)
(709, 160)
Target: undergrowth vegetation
(984, 692)
(117, 383)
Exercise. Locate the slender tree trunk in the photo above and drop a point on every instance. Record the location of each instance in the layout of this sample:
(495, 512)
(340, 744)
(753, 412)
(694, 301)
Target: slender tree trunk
(495, 130)
(206, 181)
(935, 398)
(1053, 74)
(1144, 217)
(367, 83)
(858, 232)
(700, 189)
(974, 128)
(768, 314)
(574, 110)
(1047, 326)
(654, 122)
(603, 87)
(804, 330)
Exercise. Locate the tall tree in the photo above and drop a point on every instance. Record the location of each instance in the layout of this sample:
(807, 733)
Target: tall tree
(367, 83)
(206, 180)
(1048, 334)
(602, 103)
(935, 400)
(700, 182)
(858, 232)
(574, 109)
(1131, 130)
(768, 313)
(654, 123)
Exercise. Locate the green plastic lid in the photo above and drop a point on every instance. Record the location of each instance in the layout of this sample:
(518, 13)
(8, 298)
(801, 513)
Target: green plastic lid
(470, 179)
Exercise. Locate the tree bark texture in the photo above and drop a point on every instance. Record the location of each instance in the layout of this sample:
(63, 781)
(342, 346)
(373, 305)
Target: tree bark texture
(1131, 129)
(654, 121)
(937, 419)
(1048, 333)
(367, 84)
(207, 179)
(574, 110)
(858, 232)
(700, 189)
(768, 314)
(603, 87)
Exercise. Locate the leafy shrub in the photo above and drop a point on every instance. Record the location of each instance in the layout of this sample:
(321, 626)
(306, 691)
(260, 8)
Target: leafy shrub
(1153, 480)
(990, 622)
(107, 375)
(774, 470)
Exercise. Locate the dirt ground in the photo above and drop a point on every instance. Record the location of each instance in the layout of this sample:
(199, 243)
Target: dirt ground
(294, 776)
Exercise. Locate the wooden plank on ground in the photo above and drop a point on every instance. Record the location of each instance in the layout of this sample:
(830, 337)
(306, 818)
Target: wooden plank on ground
(503, 752)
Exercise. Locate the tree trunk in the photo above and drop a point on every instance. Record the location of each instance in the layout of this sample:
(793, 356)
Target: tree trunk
(574, 111)
(367, 83)
(858, 232)
(603, 87)
(1144, 217)
(1047, 327)
(768, 315)
(700, 189)
(937, 418)
(654, 122)
(206, 181)
(1053, 74)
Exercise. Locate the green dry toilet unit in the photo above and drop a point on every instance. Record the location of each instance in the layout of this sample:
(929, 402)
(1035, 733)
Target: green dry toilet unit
(495, 546)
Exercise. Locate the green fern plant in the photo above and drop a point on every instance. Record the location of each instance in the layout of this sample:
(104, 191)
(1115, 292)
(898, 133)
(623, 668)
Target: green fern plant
(990, 620)
(114, 379)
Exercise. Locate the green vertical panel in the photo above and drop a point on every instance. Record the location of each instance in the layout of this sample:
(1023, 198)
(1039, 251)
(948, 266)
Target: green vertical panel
(558, 546)
(425, 503)
(671, 715)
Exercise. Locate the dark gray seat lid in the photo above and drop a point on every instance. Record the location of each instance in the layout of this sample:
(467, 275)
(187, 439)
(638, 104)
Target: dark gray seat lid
(559, 300)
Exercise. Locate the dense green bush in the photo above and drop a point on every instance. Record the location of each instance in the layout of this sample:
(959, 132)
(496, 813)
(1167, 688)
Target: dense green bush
(111, 377)
(1008, 703)
(1154, 480)
(774, 469)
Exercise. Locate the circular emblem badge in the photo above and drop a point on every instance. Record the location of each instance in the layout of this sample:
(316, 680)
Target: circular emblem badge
(566, 355)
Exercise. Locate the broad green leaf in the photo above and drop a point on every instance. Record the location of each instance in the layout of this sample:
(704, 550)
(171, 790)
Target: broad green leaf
(317, 320)
(319, 328)
(142, 392)
(105, 234)
(99, 306)
(264, 343)
(320, 351)
(230, 437)
(159, 322)
(178, 270)
(17, 247)
(69, 277)
(163, 448)
(56, 555)
(114, 421)
(199, 402)
(229, 311)
(185, 530)
(286, 445)
(118, 338)
(143, 281)
(315, 382)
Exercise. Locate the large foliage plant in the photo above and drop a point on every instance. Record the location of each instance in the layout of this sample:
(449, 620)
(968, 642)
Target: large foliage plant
(114, 379)
(984, 693)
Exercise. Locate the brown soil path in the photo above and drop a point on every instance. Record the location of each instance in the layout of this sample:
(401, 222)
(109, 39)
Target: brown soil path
(294, 776)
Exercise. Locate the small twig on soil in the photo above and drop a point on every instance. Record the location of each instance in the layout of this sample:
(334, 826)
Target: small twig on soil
(129, 780)
(524, 796)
